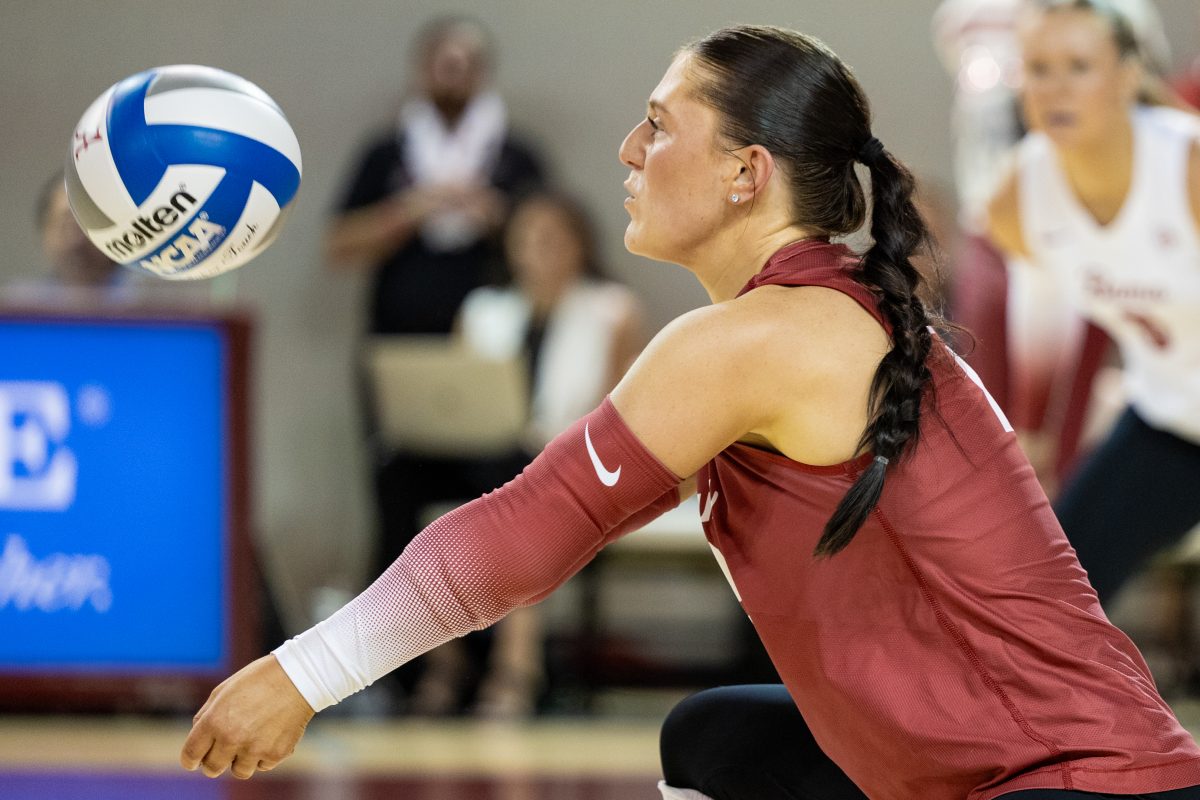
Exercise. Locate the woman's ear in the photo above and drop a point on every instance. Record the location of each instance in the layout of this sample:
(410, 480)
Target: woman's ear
(754, 167)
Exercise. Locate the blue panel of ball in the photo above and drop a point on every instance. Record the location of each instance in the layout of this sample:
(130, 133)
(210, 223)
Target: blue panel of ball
(138, 162)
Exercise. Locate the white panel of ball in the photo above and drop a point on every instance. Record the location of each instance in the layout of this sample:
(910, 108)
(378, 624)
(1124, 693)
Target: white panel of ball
(94, 163)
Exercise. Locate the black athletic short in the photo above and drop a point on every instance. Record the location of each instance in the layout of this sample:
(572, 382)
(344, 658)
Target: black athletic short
(1134, 496)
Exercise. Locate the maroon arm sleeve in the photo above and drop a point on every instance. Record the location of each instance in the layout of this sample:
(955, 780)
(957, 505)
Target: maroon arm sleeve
(511, 547)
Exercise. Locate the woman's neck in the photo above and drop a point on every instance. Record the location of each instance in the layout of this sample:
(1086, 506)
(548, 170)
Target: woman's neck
(1101, 172)
(726, 268)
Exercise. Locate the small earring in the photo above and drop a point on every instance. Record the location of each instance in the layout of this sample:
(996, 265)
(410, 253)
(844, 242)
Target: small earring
(733, 198)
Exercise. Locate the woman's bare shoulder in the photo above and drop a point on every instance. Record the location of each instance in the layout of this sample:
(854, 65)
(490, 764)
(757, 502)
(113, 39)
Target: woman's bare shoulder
(710, 334)
(744, 347)
(807, 322)
(696, 388)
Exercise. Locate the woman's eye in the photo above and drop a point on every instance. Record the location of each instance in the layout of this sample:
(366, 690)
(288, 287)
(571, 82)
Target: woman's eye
(653, 124)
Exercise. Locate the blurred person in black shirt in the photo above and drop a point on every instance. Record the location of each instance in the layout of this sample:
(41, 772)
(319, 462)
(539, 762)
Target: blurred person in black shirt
(430, 194)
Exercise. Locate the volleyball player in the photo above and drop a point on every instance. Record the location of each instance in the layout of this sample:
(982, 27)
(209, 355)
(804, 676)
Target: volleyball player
(935, 634)
(1105, 196)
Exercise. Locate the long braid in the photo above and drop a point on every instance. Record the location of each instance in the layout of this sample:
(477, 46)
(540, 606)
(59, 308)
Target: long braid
(902, 376)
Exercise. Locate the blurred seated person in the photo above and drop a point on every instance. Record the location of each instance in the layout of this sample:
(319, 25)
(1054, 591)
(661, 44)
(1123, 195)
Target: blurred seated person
(578, 333)
(430, 193)
(79, 274)
(74, 267)
(73, 259)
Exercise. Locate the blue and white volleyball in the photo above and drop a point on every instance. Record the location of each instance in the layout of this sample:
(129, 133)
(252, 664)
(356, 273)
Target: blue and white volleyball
(184, 172)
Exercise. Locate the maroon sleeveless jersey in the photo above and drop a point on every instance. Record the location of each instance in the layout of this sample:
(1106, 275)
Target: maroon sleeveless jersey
(955, 648)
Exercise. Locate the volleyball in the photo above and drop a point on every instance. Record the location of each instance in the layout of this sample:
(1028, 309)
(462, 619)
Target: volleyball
(183, 172)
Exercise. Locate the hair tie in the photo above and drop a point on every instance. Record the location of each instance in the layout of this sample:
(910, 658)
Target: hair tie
(870, 151)
(881, 460)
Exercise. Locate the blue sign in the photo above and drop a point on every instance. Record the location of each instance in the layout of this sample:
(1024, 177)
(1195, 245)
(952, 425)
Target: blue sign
(113, 497)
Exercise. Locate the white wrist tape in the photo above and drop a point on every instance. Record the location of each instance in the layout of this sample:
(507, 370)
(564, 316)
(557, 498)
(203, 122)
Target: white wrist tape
(321, 673)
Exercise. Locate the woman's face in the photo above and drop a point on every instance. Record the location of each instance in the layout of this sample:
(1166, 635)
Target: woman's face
(1077, 88)
(678, 175)
(544, 250)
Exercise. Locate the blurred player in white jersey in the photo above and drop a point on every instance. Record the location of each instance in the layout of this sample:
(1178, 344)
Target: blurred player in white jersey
(1104, 200)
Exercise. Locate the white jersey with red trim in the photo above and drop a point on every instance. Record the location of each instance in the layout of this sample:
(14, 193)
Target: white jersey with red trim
(1138, 277)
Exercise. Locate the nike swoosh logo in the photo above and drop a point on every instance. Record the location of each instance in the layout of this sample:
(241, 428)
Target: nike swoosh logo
(606, 477)
(709, 502)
